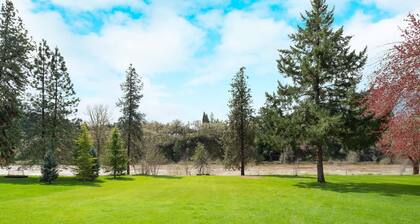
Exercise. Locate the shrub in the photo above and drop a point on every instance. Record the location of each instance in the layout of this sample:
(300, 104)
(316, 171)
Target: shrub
(49, 169)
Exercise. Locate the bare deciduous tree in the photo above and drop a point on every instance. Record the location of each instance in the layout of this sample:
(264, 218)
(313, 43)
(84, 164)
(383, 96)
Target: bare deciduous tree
(98, 121)
(151, 155)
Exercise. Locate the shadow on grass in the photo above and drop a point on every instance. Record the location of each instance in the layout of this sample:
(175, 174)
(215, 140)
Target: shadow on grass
(289, 176)
(61, 181)
(158, 176)
(388, 189)
(120, 178)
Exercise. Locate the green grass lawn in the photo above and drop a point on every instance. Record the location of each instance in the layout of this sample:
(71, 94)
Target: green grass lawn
(209, 199)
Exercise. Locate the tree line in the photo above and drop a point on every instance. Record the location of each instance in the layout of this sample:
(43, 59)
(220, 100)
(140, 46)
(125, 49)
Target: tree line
(318, 113)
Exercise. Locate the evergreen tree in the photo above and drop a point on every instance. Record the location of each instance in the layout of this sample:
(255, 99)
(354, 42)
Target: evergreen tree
(240, 135)
(49, 169)
(325, 72)
(117, 159)
(15, 46)
(85, 162)
(205, 118)
(40, 107)
(131, 120)
(361, 129)
(96, 164)
(62, 98)
(277, 132)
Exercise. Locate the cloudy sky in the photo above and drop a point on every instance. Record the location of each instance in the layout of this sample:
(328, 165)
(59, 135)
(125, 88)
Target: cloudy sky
(188, 51)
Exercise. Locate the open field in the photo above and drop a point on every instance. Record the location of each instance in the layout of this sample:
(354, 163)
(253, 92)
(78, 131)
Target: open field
(262, 169)
(210, 199)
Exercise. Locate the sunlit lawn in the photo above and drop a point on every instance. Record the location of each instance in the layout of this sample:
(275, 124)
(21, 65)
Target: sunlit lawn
(210, 199)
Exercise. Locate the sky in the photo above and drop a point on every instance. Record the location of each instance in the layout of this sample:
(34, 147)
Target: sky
(188, 51)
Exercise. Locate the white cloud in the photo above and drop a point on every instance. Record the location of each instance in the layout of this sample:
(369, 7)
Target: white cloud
(246, 40)
(375, 35)
(86, 5)
(296, 7)
(378, 37)
(153, 45)
(396, 6)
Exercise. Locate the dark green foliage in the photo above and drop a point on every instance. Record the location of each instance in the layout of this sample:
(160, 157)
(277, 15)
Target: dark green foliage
(52, 101)
(40, 107)
(63, 99)
(131, 119)
(67, 145)
(182, 149)
(15, 46)
(96, 165)
(64, 154)
(85, 162)
(205, 118)
(211, 136)
(325, 72)
(49, 169)
(116, 156)
(277, 134)
(177, 141)
(239, 139)
(361, 130)
(280, 133)
(201, 159)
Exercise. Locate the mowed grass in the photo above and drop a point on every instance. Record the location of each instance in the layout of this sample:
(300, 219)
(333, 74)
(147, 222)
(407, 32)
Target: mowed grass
(211, 199)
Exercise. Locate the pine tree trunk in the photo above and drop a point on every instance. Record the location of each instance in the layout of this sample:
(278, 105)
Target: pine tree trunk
(128, 152)
(242, 164)
(319, 165)
(242, 153)
(54, 128)
(128, 144)
(98, 148)
(242, 157)
(43, 106)
(316, 91)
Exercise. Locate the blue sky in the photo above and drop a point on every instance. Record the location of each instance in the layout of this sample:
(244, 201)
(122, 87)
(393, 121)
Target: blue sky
(189, 50)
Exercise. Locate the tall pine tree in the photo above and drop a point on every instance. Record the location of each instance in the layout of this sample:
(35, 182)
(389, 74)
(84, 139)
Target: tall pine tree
(239, 139)
(324, 71)
(62, 98)
(15, 46)
(40, 102)
(131, 119)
